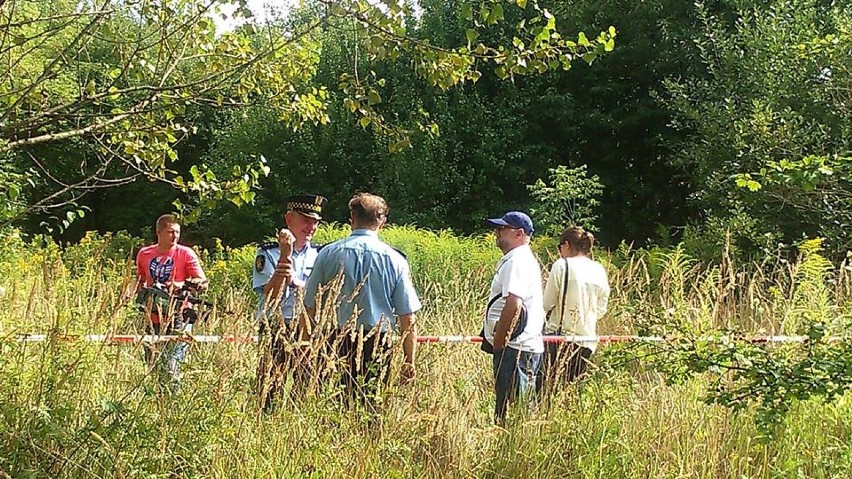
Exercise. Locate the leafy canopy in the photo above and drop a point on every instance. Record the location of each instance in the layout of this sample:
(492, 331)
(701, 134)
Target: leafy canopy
(124, 82)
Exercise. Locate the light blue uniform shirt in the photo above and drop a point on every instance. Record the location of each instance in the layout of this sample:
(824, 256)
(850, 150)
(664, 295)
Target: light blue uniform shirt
(264, 267)
(374, 272)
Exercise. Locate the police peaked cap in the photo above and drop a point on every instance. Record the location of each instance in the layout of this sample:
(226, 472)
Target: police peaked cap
(308, 205)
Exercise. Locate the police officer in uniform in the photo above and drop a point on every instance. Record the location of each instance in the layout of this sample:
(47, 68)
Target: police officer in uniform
(279, 283)
(376, 297)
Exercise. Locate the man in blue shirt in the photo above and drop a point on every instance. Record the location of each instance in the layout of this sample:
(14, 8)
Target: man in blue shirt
(279, 284)
(376, 289)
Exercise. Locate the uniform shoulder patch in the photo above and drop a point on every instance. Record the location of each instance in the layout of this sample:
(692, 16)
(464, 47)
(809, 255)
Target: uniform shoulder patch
(259, 262)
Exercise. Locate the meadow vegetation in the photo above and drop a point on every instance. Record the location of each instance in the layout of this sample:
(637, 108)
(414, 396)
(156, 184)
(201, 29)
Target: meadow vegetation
(73, 410)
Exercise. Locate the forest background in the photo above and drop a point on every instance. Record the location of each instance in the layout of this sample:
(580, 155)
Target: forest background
(706, 118)
(712, 136)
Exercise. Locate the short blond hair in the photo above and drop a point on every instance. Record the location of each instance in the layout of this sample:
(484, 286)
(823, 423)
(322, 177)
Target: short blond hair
(165, 220)
(368, 209)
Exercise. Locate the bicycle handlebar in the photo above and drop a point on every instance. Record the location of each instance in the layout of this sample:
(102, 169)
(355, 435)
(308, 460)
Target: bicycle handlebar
(185, 293)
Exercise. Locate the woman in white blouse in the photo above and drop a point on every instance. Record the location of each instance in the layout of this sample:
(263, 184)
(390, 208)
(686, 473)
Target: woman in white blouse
(575, 297)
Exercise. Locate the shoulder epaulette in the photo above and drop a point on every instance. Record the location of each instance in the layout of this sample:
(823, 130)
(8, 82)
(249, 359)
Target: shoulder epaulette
(400, 252)
(318, 247)
(269, 245)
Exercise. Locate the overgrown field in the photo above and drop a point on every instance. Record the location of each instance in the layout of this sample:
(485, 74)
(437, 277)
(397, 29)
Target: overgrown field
(76, 410)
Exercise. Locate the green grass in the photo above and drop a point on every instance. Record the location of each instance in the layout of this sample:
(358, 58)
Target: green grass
(75, 410)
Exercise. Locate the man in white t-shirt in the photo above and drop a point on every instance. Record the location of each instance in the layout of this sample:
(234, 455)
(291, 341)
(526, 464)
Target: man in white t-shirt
(514, 317)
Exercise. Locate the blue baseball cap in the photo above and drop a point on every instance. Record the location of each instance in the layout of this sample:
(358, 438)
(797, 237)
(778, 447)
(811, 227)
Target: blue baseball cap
(513, 219)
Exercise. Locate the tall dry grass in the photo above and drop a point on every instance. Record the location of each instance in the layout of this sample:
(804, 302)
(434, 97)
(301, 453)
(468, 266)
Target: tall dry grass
(72, 409)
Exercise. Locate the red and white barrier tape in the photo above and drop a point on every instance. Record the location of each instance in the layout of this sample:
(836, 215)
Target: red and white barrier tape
(132, 338)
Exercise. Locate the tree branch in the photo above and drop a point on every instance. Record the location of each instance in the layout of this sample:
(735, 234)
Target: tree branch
(48, 71)
(79, 189)
(74, 133)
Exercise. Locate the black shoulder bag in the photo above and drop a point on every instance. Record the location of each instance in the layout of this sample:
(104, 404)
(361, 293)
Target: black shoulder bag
(551, 349)
(520, 326)
(564, 296)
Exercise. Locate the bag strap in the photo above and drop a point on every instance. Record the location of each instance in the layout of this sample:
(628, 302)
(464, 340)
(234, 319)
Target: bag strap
(564, 296)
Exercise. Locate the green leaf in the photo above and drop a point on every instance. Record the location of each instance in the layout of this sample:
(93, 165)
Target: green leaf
(471, 35)
(400, 145)
(521, 3)
(498, 11)
(373, 98)
(746, 181)
(493, 16)
(365, 121)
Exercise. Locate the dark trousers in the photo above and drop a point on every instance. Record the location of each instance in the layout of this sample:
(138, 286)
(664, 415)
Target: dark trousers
(366, 363)
(562, 363)
(280, 358)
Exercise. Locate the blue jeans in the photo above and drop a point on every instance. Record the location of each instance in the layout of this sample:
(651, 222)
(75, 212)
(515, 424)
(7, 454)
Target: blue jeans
(175, 354)
(514, 376)
(168, 357)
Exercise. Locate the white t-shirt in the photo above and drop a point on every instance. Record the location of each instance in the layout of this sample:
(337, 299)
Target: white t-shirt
(518, 273)
(586, 298)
